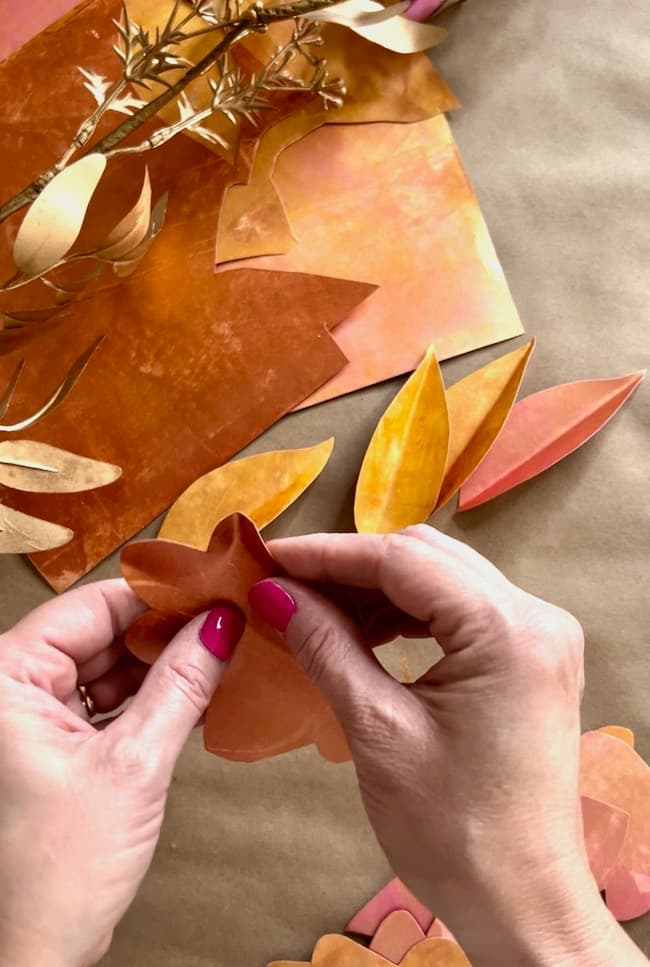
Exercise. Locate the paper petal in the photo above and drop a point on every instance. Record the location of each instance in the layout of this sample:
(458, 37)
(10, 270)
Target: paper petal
(132, 229)
(544, 428)
(478, 407)
(404, 464)
(40, 468)
(438, 929)
(436, 953)
(24, 534)
(261, 486)
(357, 12)
(605, 828)
(382, 25)
(396, 935)
(612, 772)
(619, 732)
(333, 950)
(394, 896)
(150, 634)
(54, 220)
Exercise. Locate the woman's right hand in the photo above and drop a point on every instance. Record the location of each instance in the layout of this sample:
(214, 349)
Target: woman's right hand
(470, 776)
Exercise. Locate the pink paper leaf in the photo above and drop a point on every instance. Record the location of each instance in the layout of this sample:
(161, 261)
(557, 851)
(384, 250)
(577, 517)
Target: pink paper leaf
(605, 828)
(542, 429)
(396, 935)
(394, 896)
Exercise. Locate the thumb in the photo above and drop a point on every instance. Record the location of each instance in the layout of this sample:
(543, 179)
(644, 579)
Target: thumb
(328, 645)
(179, 687)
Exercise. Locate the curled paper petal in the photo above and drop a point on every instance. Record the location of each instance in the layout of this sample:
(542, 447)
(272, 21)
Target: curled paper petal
(544, 428)
(605, 828)
(394, 896)
(613, 773)
(404, 464)
(132, 229)
(24, 534)
(261, 486)
(40, 468)
(478, 407)
(396, 935)
(54, 220)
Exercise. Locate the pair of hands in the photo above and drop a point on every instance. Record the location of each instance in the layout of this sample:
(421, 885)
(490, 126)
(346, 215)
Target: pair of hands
(469, 777)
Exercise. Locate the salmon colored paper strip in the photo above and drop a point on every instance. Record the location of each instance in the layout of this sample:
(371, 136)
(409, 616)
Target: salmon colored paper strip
(544, 428)
(605, 828)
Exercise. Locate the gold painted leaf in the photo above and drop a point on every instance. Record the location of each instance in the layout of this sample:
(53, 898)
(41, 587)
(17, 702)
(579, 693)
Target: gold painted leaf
(132, 229)
(478, 407)
(53, 222)
(402, 470)
(261, 486)
(23, 534)
(40, 468)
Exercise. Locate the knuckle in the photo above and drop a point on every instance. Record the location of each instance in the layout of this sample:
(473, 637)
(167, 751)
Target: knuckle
(191, 681)
(556, 644)
(317, 649)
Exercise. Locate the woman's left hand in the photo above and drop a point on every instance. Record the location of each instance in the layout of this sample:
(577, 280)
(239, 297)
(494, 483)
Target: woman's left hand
(81, 807)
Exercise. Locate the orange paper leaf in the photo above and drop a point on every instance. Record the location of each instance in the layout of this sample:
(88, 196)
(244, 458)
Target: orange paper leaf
(266, 704)
(544, 428)
(478, 407)
(337, 951)
(612, 772)
(394, 896)
(404, 464)
(261, 486)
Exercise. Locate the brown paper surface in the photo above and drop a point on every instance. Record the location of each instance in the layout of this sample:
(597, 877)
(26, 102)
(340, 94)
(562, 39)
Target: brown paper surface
(258, 861)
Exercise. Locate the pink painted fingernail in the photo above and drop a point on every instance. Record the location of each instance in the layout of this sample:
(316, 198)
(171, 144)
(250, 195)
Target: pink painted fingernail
(272, 603)
(222, 629)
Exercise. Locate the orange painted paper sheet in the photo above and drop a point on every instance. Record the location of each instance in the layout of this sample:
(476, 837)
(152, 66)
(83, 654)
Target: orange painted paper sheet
(392, 205)
(544, 428)
(337, 951)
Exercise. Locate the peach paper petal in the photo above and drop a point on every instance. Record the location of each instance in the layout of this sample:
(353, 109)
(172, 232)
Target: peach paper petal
(612, 772)
(619, 732)
(544, 428)
(396, 935)
(394, 896)
(438, 929)
(605, 828)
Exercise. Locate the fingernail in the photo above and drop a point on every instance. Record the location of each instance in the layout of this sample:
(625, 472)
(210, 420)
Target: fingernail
(222, 629)
(272, 603)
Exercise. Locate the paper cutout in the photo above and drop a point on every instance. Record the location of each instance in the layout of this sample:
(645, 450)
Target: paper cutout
(37, 467)
(265, 704)
(394, 896)
(544, 428)
(23, 534)
(402, 470)
(261, 486)
(438, 929)
(478, 407)
(381, 25)
(612, 772)
(396, 935)
(53, 221)
(343, 186)
(336, 951)
(619, 732)
(131, 230)
(605, 828)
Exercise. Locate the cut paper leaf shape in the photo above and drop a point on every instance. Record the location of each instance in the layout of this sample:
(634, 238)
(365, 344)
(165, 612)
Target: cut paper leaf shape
(132, 229)
(337, 951)
(544, 428)
(24, 534)
(40, 468)
(260, 486)
(403, 468)
(382, 25)
(478, 407)
(396, 935)
(53, 221)
(394, 896)
(613, 773)
(250, 716)
(605, 828)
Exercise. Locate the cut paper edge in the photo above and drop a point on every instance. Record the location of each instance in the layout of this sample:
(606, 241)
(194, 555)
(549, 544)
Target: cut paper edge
(605, 828)
(394, 896)
(396, 935)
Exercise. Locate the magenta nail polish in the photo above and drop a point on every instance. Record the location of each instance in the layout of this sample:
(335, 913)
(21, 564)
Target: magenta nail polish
(272, 603)
(222, 629)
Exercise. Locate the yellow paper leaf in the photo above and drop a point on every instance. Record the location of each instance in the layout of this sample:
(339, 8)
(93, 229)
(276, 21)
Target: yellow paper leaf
(22, 534)
(382, 25)
(132, 229)
(619, 732)
(261, 486)
(478, 408)
(40, 468)
(404, 464)
(53, 222)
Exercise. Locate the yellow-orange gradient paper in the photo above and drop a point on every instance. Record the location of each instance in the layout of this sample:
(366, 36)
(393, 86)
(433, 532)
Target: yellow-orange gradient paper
(391, 205)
